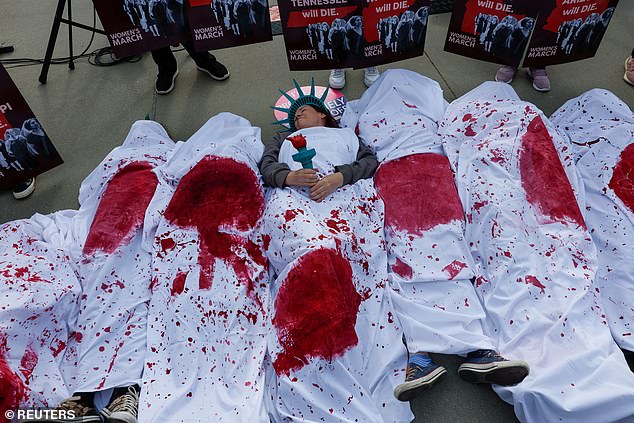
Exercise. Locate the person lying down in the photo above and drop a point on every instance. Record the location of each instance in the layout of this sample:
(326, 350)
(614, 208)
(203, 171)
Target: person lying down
(335, 345)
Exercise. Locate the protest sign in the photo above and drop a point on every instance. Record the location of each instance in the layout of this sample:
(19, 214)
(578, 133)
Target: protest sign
(25, 149)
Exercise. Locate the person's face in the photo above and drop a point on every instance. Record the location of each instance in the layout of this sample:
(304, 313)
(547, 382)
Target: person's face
(308, 117)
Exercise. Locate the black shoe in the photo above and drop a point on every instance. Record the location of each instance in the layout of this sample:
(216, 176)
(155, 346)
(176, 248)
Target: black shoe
(165, 80)
(487, 366)
(24, 189)
(213, 68)
(422, 374)
(124, 408)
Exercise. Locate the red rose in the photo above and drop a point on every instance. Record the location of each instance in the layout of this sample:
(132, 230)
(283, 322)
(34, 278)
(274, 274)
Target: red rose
(298, 141)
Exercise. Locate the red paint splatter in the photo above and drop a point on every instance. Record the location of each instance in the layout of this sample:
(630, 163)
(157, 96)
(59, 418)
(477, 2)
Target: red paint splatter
(419, 193)
(28, 363)
(12, 389)
(61, 346)
(315, 310)
(221, 198)
(543, 177)
(402, 269)
(266, 241)
(290, 215)
(530, 279)
(179, 283)
(480, 280)
(454, 268)
(467, 117)
(622, 181)
(411, 106)
(24, 273)
(470, 132)
(122, 208)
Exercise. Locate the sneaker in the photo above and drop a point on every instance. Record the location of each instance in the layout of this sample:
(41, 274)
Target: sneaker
(505, 74)
(24, 189)
(540, 79)
(123, 409)
(629, 70)
(487, 366)
(82, 413)
(422, 374)
(337, 79)
(165, 80)
(213, 68)
(370, 75)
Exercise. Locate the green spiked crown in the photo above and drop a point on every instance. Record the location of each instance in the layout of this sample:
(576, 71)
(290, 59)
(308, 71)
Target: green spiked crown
(303, 100)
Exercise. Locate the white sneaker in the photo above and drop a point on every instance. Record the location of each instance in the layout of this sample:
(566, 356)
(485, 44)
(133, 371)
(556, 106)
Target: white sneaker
(337, 79)
(123, 409)
(370, 75)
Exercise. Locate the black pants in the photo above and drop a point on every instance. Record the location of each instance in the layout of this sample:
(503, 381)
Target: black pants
(164, 58)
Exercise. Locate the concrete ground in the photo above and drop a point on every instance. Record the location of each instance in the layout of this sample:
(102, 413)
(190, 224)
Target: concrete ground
(87, 112)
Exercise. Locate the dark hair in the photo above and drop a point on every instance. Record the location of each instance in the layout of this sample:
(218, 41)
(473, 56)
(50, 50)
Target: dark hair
(331, 122)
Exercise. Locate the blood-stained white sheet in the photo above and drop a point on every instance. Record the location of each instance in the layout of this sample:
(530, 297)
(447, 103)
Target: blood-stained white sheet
(113, 269)
(430, 267)
(208, 313)
(335, 339)
(38, 294)
(600, 131)
(517, 182)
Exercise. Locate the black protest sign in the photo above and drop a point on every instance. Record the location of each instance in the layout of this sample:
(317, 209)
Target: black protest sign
(568, 30)
(322, 34)
(137, 26)
(25, 149)
(393, 30)
(218, 24)
(492, 30)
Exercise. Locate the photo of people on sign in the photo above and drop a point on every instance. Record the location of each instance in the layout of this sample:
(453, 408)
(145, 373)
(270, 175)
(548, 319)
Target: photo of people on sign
(137, 26)
(394, 30)
(227, 23)
(322, 34)
(492, 30)
(569, 30)
(25, 149)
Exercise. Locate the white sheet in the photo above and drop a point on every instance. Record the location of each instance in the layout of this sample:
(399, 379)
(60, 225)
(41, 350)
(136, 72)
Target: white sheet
(207, 323)
(335, 341)
(113, 269)
(537, 261)
(430, 267)
(38, 294)
(600, 130)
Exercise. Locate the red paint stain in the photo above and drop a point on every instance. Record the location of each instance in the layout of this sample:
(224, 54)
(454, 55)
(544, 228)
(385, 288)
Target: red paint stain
(315, 310)
(543, 177)
(61, 346)
(532, 280)
(470, 132)
(467, 117)
(266, 241)
(12, 389)
(290, 215)
(179, 283)
(28, 363)
(24, 273)
(454, 268)
(220, 197)
(419, 193)
(622, 182)
(402, 269)
(411, 106)
(121, 208)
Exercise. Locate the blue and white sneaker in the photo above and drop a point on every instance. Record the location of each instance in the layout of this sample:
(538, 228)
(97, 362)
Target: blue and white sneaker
(487, 366)
(422, 374)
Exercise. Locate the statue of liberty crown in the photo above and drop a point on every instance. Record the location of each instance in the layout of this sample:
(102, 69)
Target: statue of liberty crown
(303, 100)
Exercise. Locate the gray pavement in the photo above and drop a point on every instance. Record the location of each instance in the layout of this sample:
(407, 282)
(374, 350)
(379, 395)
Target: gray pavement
(87, 112)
